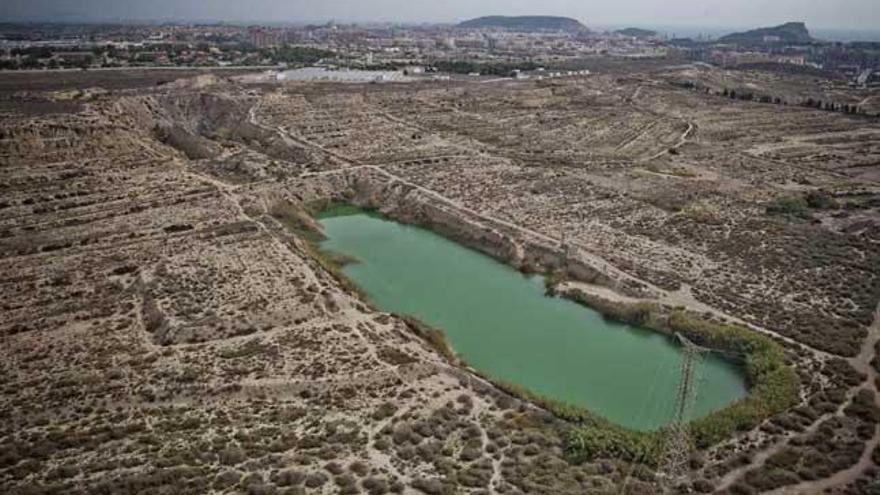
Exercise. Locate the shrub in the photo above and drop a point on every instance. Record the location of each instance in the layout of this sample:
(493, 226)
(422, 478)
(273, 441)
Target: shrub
(794, 206)
(774, 384)
(231, 456)
(316, 480)
(294, 217)
(375, 486)
(154, 318)
(433, 336)
(552, 281)
(638, 314)
(385, 410)
(821, 200)
(605, 440)
(289, 477)
(226, 479)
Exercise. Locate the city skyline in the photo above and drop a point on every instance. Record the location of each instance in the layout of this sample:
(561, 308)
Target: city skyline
(842, 14)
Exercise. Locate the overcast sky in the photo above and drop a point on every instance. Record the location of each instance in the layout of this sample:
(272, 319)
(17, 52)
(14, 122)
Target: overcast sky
(855, 14)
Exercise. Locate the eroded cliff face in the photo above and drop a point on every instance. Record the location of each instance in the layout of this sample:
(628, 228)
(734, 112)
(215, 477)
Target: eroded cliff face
(407, 203)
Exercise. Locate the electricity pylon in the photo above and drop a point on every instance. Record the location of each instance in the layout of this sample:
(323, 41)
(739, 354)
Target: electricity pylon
(677, 447)
(564, 248)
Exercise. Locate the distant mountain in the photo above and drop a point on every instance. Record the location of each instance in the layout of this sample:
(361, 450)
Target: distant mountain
(792, 32)
(525, 23)
(636, 32)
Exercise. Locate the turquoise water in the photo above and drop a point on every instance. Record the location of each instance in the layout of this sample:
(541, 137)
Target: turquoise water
(500, 322)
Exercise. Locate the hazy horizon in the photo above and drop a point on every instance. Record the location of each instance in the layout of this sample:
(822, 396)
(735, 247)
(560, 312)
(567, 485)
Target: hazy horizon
(841, 14)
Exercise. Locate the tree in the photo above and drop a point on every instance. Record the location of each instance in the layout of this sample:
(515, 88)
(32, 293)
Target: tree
(86, 62)
(30, 62)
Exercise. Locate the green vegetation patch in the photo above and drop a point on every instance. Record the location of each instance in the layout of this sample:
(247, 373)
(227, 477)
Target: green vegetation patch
(774, 384)
(248, 349)
(552, 281)
(594, 437)
(297, 219)
(297, 55)
(795, 206)
(435, 337)
(800, 205)
(331, 209)
(484, 68)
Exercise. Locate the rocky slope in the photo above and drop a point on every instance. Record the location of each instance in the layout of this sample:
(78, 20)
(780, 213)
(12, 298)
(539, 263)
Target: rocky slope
(525, 23)
(791, 32)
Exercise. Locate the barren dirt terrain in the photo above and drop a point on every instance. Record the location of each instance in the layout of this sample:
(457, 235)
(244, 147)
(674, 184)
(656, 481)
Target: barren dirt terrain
(168, 328)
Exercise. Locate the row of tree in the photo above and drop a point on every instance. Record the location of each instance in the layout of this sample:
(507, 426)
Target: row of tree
(495, 68)
(746, 95)
(829, 106)
(32, 62)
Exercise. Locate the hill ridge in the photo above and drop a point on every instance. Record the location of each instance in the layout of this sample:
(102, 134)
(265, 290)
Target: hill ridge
(790, 32)
(525, 22)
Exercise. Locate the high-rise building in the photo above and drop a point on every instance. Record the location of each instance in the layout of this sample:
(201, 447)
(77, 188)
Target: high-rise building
(264, 38)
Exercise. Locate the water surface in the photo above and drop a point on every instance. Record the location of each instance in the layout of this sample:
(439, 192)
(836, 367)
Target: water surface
(500, 322)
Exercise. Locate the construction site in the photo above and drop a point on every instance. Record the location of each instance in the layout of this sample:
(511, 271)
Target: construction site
(170, 324)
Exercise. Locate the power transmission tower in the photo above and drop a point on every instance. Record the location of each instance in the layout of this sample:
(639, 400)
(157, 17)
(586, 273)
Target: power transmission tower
(565, 249)
(677, 447)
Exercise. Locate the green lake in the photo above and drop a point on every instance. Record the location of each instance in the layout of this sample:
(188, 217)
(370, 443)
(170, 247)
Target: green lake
(501, 323)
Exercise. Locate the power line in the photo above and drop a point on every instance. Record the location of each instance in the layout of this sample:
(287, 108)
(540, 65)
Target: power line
(677, 446)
